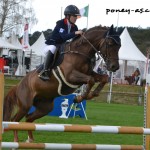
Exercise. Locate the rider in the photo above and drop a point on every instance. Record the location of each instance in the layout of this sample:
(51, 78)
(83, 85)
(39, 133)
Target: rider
(136, 75)
(64, 30)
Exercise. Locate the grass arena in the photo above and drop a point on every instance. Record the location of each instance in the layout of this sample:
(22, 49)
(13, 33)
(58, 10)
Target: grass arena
(119, 127)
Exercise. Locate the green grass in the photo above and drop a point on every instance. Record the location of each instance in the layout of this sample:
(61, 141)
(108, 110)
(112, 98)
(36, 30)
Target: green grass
(9, 81)
(98, 114)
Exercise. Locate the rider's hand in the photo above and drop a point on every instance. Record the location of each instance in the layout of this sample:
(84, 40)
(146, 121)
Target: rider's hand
(79, 32)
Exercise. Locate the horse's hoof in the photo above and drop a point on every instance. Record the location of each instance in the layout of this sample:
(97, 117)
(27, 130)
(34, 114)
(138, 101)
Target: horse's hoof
(75, 101)
(29, 140)
(78, 99)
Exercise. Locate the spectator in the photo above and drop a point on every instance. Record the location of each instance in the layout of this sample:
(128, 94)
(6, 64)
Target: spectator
(136, 75)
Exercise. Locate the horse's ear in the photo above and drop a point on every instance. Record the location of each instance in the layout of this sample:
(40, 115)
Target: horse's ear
(112, 27)
(111, 30)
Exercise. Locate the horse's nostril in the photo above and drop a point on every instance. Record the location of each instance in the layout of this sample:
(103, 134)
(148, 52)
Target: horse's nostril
(114, 67)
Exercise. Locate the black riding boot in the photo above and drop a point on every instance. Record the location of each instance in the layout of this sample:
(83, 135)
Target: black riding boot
(44, 74)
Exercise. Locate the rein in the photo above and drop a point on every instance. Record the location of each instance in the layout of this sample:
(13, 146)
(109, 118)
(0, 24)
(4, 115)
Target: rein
(77, 52)
(98, 52)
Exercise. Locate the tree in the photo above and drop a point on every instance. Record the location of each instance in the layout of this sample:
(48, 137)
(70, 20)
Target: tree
(14, 13)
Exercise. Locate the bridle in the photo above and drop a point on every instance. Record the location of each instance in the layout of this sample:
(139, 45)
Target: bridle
(107, 45)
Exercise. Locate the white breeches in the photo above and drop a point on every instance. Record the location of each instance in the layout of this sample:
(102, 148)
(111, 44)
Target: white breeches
(51, 48)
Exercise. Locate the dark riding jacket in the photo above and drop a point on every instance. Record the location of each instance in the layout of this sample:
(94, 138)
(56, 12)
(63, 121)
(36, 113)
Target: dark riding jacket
(60, 33)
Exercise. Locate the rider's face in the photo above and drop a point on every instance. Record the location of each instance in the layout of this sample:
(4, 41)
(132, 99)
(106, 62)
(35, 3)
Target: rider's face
(73, 19)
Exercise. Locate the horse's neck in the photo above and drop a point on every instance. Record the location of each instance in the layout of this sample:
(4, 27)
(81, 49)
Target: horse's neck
(95, 36)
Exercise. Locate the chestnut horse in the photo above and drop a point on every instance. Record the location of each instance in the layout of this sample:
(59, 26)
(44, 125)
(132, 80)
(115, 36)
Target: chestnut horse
(130, 79)
(75, 70)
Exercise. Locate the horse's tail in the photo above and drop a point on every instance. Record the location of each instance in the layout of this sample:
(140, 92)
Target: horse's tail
(10, 101)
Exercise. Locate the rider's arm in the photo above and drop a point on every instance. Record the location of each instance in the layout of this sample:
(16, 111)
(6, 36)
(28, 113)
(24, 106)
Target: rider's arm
(64, 33)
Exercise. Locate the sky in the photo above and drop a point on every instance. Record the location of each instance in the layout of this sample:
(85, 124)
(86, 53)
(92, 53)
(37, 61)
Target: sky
(49, 11)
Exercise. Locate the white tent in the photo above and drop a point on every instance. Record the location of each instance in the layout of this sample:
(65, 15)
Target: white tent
(12, 44)
(5, 44)
(129, 50)
(37, 52)
(38, 46)
(130, 57)
(14, 40)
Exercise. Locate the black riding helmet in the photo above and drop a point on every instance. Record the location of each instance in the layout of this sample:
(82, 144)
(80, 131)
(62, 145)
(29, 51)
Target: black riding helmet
(72, 10)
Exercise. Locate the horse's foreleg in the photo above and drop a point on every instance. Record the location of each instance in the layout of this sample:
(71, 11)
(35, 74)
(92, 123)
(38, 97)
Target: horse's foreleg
(30, 118)
(96, 92)
(80, 78)
(102, 79)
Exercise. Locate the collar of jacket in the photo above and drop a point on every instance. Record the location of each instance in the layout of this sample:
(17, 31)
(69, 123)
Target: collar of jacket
(65, 22)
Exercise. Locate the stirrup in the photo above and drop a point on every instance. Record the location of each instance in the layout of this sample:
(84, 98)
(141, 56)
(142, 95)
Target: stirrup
(41, 72)
(44, 75)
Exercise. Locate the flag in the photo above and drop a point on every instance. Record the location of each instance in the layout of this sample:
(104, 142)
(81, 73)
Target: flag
(84, 11)
(25, 42)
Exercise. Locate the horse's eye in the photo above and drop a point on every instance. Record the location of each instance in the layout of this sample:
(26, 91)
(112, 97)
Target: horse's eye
(111, 43)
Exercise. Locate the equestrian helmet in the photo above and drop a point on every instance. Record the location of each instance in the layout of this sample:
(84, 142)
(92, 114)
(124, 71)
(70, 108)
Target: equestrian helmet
(72, 10)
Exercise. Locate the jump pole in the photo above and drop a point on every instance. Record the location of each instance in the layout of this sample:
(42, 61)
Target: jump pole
(75, 128)
(1, 105)
(59, 146)
(147, 117)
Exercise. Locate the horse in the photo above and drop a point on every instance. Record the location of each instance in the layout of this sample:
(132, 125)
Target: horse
(75, 70)
(130, 79)
(133, 80)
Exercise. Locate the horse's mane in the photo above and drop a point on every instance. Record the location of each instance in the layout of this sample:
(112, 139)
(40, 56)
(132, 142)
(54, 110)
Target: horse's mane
(95, 28)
